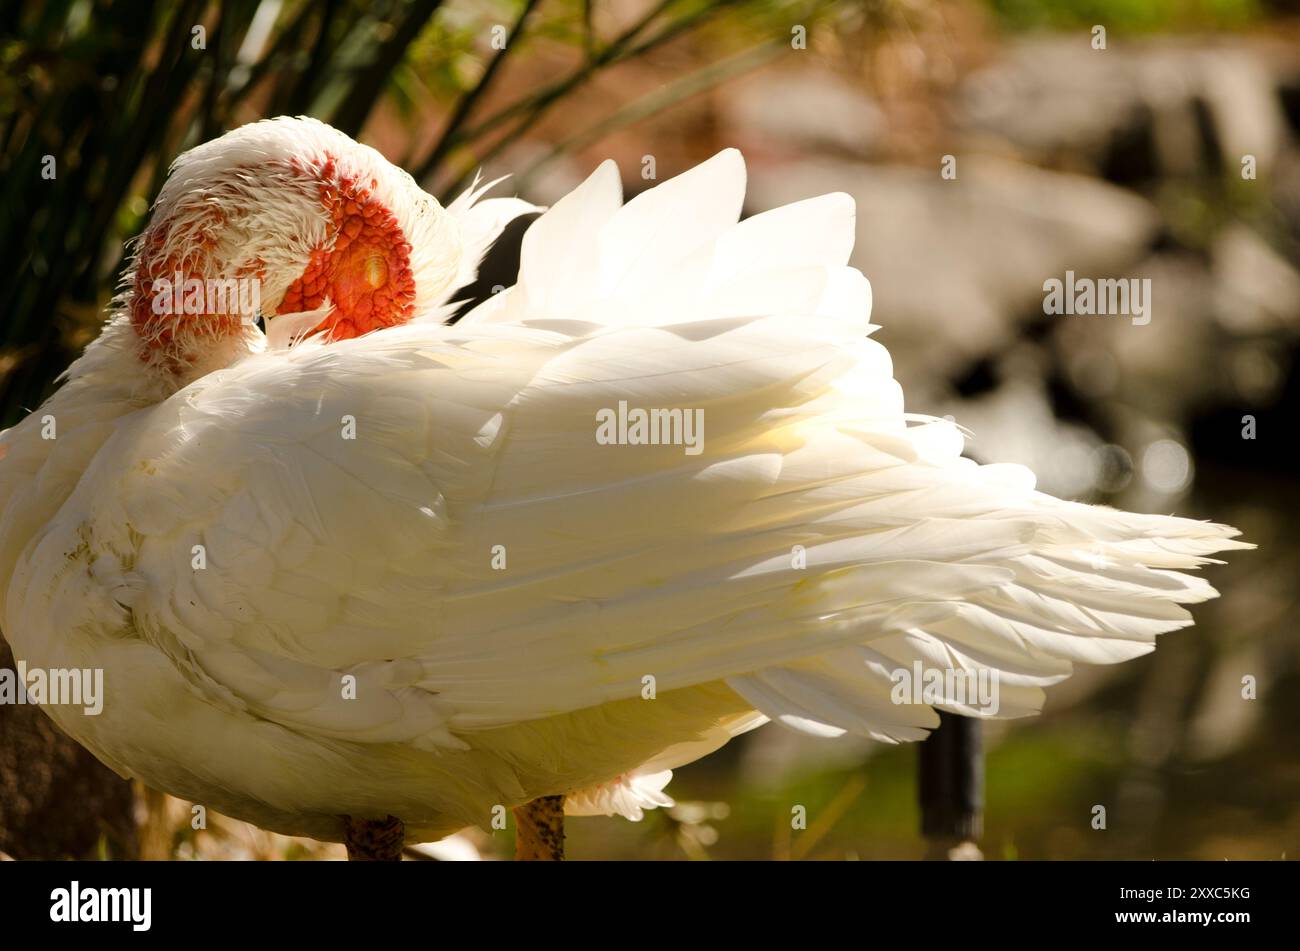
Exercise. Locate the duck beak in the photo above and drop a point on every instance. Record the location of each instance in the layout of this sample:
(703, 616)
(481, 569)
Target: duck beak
(285, 330)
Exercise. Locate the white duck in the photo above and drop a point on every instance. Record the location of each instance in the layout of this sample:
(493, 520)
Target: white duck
(399, 578)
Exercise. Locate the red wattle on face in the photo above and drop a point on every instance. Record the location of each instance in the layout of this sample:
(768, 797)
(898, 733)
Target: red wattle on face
(366, 275)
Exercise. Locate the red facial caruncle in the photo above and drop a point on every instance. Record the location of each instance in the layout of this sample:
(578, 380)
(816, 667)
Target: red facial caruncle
(363, 268)
(360, 265)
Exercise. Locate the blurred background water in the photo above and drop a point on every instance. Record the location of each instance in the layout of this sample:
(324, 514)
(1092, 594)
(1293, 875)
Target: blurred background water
(1173, 154)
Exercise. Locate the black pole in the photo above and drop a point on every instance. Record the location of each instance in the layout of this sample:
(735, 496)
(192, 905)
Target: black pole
(951, 788)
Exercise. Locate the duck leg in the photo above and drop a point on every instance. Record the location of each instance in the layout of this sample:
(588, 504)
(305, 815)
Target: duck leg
(539, 833)
(373, 840)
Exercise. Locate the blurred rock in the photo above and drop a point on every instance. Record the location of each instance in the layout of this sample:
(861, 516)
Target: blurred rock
(1224, 718)
(1285, 195)
(1216, 336)
(1243, 94)
(1134, 110)
(1052, 95)
(1160, 364)
(954, 264)
(802, 111)
(1256, 289)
